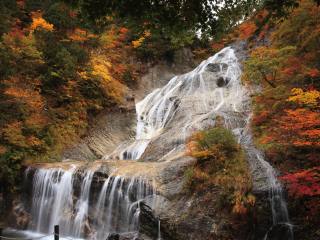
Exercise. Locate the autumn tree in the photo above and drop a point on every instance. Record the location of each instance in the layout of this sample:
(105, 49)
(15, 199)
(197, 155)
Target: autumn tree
(305, 183)
(265, 64)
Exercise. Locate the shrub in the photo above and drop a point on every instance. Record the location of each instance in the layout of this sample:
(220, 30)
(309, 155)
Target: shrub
(221, 165)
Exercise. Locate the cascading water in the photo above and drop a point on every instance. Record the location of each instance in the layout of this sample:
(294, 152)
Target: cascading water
(193, 101)
(82, 205)
(52, 199)
(188, 102)
(115, 210)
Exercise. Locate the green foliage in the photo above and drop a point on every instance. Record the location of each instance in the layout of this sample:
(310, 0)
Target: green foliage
(59, 15)
(5, 60)
(20, 53)
(221, 138)
(265, 64)
(8, 9)
(280, 8)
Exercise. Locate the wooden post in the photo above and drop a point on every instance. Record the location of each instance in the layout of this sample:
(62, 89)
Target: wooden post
(56, 232)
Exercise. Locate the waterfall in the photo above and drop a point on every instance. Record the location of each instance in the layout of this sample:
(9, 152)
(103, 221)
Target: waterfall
(115, 210)
(165, 118)
(52, 201)
(193, 101)
(188, 102)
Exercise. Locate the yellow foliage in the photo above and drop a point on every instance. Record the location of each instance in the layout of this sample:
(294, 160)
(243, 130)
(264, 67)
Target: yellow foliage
(108, 39)
(101, 68)
(221, 163)
(39, 22)
(309, 98)
(137, 43)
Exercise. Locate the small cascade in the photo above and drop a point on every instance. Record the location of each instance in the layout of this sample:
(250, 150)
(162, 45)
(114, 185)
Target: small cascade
(115, 210)
(266, 178)
(82, 205)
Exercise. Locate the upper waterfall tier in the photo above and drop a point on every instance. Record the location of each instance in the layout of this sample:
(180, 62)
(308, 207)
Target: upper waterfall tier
(187, 103)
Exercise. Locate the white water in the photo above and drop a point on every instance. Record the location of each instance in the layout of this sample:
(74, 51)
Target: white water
(115, 210)
(193, 101)
(82, 206)
(189, 102)
(52, 202)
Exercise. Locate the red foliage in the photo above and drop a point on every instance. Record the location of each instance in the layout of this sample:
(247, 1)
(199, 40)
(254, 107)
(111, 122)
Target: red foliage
(260, 118)
(303, 183)
(217, 46)
(246, 30)
(314, 73)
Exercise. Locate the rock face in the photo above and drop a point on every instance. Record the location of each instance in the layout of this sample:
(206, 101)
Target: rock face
(279, 232)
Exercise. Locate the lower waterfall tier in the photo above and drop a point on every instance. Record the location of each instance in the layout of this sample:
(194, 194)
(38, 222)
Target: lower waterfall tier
(86, 205)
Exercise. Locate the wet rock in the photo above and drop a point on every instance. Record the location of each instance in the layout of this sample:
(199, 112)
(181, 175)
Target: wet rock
(149, 225)
(113, 236)
(216, 67)
(281, 231)
(221, 81)
(148, 222)
(125, 236)
(240, 48)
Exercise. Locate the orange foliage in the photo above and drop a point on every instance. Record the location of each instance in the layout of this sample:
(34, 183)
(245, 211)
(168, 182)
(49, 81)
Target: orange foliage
(30, 97)
(80, 35)
(3, 149)
(39, 22)
(299, 127)
(36, 120)
(246, 30)
(12, 133)
(314, 73)
(34, 141)
(217, 46)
